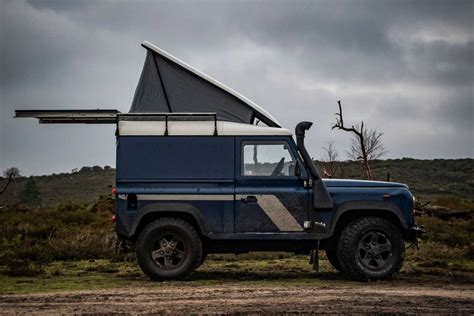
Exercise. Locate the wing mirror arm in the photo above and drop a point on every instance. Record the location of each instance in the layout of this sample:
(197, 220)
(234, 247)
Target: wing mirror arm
(298, 169)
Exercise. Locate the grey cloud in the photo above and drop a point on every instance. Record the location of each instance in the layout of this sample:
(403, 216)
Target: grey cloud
(401, 66)
(60, 5)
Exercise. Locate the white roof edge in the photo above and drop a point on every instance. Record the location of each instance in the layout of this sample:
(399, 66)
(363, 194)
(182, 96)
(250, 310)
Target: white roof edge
(210, 79)
(197, 128)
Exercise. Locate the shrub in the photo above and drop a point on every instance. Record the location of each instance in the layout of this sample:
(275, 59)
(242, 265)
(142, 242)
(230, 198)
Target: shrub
(453, 233)
(68, 231)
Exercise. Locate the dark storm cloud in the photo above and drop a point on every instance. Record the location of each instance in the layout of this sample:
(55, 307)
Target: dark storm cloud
(405, 67)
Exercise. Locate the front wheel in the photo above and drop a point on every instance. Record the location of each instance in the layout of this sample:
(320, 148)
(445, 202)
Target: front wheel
(371, 248)
(168, 248)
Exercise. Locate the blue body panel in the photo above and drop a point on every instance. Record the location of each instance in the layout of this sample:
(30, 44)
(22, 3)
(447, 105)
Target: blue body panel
(174, 158)
(151, 166)
(361, 183)
(400, 197)
(202, 176)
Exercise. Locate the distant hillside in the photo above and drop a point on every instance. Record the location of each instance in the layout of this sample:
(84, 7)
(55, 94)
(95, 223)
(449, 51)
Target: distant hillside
(435, 180)
(84, 186)
(428, 179)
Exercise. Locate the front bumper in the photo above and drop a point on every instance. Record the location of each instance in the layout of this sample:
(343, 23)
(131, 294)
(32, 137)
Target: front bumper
(414, 233)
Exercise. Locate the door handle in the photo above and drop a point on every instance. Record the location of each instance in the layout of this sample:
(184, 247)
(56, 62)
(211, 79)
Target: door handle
(249, 199)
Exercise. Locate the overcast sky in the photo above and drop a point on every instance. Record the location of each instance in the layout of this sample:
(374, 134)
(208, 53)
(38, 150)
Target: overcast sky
(404, 67)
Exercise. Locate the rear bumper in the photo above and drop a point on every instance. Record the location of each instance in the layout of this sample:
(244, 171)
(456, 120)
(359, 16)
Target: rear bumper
(414, 232)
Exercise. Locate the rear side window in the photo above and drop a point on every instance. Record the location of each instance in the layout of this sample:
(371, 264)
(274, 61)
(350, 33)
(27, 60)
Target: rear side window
(268, 159)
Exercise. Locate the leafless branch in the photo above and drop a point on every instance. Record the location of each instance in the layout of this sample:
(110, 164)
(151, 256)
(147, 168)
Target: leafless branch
(330, 160)
(11, 173)
(10, 178)
(366, 143)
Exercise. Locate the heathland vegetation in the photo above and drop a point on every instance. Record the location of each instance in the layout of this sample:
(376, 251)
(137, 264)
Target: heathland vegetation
(55, 225)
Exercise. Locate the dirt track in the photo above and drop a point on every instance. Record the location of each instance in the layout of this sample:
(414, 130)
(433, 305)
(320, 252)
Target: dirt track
(234, 298)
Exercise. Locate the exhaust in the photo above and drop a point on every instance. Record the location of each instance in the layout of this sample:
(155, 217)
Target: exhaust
(322, 199)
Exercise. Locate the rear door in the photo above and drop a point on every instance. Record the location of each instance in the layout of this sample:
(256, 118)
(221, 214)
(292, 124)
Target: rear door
(270, 197)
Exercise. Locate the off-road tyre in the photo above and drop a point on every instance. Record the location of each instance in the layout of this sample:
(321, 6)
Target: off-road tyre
(161, 232)
(333, 259)
(362, 240)
(203, 258)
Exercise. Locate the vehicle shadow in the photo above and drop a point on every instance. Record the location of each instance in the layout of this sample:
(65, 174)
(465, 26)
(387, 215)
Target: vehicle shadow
(264, 276)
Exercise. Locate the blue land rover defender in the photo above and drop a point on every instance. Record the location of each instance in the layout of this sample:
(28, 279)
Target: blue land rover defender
(202, 169)
(210, 186)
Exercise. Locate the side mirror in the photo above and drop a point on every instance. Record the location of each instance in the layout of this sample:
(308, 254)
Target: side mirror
(298, 168)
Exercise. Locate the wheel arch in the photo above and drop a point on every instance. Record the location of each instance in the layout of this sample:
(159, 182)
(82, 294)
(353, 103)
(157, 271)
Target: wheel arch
(350, 211)
(155, 211)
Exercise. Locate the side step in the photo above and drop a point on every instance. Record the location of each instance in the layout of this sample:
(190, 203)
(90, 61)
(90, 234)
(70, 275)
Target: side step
(71, 116)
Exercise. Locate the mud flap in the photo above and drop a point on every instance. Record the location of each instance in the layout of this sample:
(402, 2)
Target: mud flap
(314, 258)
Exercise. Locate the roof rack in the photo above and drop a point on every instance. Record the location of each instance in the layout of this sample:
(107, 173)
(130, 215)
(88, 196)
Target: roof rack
(111, 117)
(169, 117)
(71, 116)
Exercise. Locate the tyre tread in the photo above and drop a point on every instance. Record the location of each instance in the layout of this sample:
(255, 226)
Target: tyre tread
(171, 221)
(345, 253)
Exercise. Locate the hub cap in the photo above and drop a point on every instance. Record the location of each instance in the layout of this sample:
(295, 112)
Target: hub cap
(169, 251)
(375, 251)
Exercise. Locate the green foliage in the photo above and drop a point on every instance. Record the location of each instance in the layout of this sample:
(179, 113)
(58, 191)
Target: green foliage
(456, 203)
(84, 186)
(452, 233)
(446, 249)
(69, 231)
(30, 194)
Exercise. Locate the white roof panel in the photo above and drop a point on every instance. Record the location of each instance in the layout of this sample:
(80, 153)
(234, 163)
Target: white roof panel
(196, 128)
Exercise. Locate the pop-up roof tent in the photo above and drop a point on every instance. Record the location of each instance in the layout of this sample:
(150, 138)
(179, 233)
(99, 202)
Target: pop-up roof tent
(168, 85)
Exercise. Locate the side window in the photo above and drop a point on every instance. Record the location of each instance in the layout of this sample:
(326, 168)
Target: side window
(273, 159)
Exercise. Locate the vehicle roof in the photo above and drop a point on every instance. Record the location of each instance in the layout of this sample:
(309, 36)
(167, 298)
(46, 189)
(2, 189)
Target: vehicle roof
(195, 128)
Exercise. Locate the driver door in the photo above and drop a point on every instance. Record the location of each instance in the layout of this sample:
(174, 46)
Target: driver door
(269, 196)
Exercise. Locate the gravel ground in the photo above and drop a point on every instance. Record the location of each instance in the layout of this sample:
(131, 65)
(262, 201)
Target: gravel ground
(393, 297)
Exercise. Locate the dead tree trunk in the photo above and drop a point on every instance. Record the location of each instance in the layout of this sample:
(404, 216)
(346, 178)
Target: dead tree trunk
(10, 178)
(359, 133)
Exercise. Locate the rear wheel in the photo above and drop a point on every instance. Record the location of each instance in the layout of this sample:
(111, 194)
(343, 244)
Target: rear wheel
(371, 248)
(333, 259)
(168, 248)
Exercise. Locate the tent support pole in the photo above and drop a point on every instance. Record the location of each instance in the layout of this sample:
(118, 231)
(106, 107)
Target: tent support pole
(162, 83)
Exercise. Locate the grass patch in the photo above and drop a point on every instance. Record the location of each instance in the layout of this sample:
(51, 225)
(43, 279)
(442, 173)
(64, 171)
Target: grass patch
(77, 275)
(106, 274)
(249, 269)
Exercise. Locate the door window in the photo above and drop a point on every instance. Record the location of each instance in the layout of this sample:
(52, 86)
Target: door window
(272, 159)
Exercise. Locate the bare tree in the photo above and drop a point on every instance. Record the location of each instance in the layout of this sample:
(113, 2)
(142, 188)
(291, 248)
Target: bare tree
(9, 180)
(373, 145)
(366, 143)
(330, 158)
(11, 173)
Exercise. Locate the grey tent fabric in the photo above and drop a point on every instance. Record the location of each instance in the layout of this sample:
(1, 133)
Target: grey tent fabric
(149, 95)
(166, 86)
